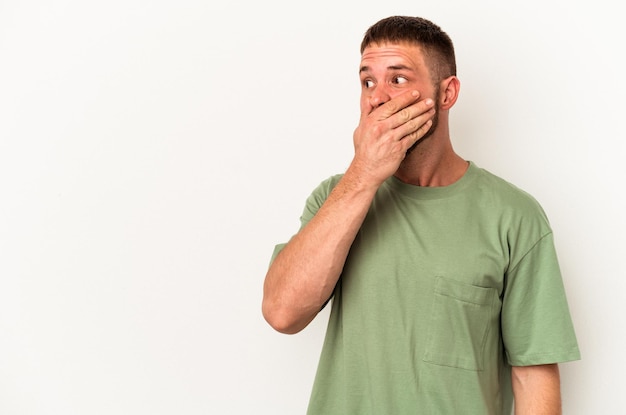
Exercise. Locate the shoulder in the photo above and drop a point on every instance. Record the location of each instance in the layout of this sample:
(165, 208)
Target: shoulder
(501, 193)
(321, 192)
(318, 196)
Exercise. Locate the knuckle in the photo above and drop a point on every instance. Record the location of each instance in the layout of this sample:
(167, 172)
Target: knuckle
(392, 107)
(410, 138)
(404, 115)
(377, 129)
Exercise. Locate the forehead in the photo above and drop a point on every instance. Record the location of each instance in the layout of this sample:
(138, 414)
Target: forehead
(385, 54)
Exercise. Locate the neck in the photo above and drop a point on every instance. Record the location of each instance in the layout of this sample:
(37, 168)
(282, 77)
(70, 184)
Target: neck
(432, 163)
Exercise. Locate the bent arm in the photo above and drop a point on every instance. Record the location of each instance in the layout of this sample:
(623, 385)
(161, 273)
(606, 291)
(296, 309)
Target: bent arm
(537, 389)
(303, 275)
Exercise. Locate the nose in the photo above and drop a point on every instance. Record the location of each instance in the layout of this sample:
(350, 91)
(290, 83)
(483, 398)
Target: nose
(379, 95)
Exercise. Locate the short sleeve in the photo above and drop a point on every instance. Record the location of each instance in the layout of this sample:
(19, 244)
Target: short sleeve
(536, 322)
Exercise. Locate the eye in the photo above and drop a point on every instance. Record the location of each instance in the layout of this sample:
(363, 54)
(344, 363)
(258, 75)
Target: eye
(400, 80)
(368, 83)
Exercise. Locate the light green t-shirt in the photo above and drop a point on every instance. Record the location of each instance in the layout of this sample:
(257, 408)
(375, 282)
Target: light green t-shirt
(443, 290)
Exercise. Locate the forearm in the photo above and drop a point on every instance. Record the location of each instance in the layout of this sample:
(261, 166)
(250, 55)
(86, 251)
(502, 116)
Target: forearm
(304, 274)
(537, 390)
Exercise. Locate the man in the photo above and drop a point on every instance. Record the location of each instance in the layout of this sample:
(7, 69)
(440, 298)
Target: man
(447, 297)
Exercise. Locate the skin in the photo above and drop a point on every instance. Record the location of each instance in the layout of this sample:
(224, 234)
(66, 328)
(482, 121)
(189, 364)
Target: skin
(386, 72)
(537, 389)
(402, 108)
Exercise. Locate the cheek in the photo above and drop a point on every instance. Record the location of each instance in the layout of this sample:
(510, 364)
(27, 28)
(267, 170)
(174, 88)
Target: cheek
(365, 102)
(397, 91)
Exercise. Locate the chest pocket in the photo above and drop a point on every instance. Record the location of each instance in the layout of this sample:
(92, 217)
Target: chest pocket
(463, 316)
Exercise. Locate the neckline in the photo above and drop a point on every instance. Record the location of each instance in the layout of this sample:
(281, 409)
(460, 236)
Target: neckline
(430, 193)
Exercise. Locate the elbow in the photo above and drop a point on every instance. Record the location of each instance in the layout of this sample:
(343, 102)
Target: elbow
(281, 320)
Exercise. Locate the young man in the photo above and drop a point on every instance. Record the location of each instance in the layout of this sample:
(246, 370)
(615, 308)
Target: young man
(447, 297)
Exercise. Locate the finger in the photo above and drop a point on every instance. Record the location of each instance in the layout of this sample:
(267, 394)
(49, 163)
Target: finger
(413, 137)
(409, 117)
(392, 106)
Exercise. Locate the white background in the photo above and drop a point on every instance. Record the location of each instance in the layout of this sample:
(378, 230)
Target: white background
(153, 152)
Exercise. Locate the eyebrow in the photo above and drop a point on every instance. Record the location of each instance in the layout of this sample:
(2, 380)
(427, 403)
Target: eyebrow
(392, 68)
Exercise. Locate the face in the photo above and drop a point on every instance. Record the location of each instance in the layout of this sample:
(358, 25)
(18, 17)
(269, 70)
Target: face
(387, 70)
